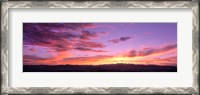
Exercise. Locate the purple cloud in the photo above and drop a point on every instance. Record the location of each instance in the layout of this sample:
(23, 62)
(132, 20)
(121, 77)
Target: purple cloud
(86, 35)
(124, 38)
(59, 36)
(149, 51)
(121, 39)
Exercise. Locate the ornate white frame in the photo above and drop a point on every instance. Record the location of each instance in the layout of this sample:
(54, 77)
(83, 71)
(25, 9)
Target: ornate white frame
(98, 4)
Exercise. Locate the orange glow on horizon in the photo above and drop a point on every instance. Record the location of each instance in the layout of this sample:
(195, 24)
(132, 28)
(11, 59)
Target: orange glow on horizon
(65, 58)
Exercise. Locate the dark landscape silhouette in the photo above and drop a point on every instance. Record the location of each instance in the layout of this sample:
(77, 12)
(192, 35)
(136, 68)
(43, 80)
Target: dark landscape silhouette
(99, 68)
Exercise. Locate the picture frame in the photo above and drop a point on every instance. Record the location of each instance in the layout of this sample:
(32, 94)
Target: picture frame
(6, 5)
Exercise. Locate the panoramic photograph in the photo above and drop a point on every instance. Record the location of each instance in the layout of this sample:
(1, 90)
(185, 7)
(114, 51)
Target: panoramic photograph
(100, 47)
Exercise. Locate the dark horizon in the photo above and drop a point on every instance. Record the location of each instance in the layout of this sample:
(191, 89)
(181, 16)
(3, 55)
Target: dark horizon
(120, 67)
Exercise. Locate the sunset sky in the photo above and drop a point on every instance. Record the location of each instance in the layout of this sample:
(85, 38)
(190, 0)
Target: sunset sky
(99, 43)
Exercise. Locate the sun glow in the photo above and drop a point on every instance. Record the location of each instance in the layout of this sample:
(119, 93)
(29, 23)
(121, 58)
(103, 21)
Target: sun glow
(124, 60)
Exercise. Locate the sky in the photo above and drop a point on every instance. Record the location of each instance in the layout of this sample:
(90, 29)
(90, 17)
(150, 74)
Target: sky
(100, 43)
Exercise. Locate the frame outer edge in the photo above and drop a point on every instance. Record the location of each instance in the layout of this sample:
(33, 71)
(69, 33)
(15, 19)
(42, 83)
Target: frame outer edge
(195, 47)
(104, 90)
(4, 47)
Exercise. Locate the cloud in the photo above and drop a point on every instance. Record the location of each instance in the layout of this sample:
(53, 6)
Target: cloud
(151, 51)
(48, 43)
(31, 59)
(36, 60)
(124, 38)
(88, 49)
(86, 35)
(114, 41)
(38, 51)
(132, 53)
(59, 36)
(34, 34)
(83, 49)
(166, 48)
(32, 50)
(62, 59)
(89, 44)
(67, 26)
(133, 56)
(169, 61)
(121, 39)
(146, 52)
(99, 51)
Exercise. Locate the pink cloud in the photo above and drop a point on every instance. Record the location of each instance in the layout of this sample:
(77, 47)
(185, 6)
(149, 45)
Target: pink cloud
(151, 51)
(169, 61)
